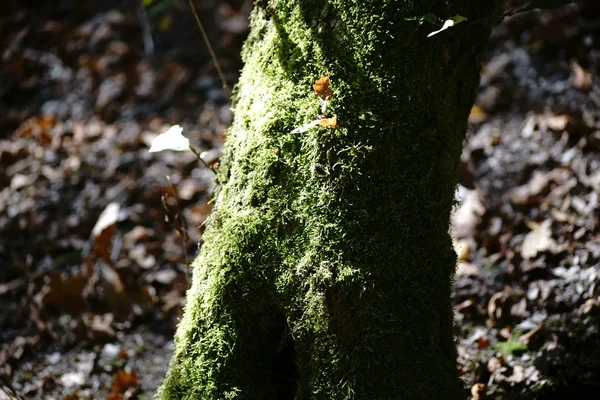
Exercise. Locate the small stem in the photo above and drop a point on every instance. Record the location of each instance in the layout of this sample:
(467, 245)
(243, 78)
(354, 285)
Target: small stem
(146, 30)
(207, 165)
(210, 49)
(181, 229)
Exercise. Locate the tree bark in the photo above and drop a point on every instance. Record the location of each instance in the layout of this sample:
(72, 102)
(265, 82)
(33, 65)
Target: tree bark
(327, 265)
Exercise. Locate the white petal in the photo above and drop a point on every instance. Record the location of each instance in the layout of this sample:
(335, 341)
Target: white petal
(306, 127)
(447, 25)
(170, 140)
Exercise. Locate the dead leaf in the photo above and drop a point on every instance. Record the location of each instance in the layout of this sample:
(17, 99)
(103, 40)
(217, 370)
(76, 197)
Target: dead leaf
(466, 269)
(164, 276)
(36, 126)
(555, 122)
(482, 343)
(99, 323)
(538, 240)
(137, 234)
(66, 295)
(580, 77)
(330, 122)
(322, 88)
(526, 338)
(478, 391)
(477, 115)
(462, 248)
(108, 217)
(123, 381)
(468, 214)
(528, 194)
(104, 230)
(500, 306)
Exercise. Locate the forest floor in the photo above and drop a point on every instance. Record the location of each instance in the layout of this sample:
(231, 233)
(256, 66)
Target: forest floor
(95, 239)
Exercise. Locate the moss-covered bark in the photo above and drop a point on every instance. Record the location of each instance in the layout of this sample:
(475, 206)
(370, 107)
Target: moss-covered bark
(327, 264)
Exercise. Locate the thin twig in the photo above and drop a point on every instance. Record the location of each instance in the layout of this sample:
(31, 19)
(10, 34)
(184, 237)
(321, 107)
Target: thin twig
(180, 227)
(210, 49)
(207, 165)
(146, 30)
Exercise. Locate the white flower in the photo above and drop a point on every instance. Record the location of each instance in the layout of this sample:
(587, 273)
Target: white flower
(447, 24)
(170, 140)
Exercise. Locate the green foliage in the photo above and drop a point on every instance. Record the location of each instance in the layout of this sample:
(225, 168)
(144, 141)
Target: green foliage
(511, 346)
(429, 17)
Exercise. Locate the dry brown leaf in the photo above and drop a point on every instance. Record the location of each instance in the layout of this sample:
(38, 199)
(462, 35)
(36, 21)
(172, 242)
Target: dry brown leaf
(330, 122)
(477, 115)
(482, 343)
(322, 88)
(478, 391)
(555, 122)
(66, 295)
(104, 230)
(123, 380)
(35, 126)
(99, 324)
(526, 338)
(466, 269)
(580, 77)
(108, 217)
(538, 240)
(466, 217)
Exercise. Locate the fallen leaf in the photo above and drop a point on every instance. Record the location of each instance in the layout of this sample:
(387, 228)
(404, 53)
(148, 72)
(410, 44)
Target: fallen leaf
(123, 380)
(466, 269)
(555, 122)
(330, 122)
(462, 249)
(482, 343)
(99, 323)
(468, 214)
(104, 230)
(538, 240)
(580, 77)
(66, 295)
(107, 218)
(478, 391)
(71, 379)
(500, 306)
(164, 276)
(529, 193)
(526, 338)
(477, 115)
(322, 88)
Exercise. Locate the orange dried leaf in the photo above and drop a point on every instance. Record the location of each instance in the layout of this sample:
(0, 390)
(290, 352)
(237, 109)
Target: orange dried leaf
(477, 115)
(124, 380)
(330, 122)
(482, 343)
(322, 88)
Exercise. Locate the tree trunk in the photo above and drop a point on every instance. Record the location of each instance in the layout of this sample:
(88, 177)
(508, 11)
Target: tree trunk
(327, 266)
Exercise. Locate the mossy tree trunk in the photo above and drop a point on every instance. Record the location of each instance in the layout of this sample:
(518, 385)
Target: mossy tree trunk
(327, 265)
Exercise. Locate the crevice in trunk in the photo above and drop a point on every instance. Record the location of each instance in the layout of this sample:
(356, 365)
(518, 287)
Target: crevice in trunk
(283, 365)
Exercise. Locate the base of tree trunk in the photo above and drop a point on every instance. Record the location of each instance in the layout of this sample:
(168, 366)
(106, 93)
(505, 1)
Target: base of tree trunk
(326, 268)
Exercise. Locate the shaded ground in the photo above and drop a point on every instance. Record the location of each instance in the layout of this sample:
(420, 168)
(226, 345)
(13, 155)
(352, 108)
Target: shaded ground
(92, 274)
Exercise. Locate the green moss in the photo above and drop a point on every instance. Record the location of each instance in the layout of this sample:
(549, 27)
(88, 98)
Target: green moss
(327, 264)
